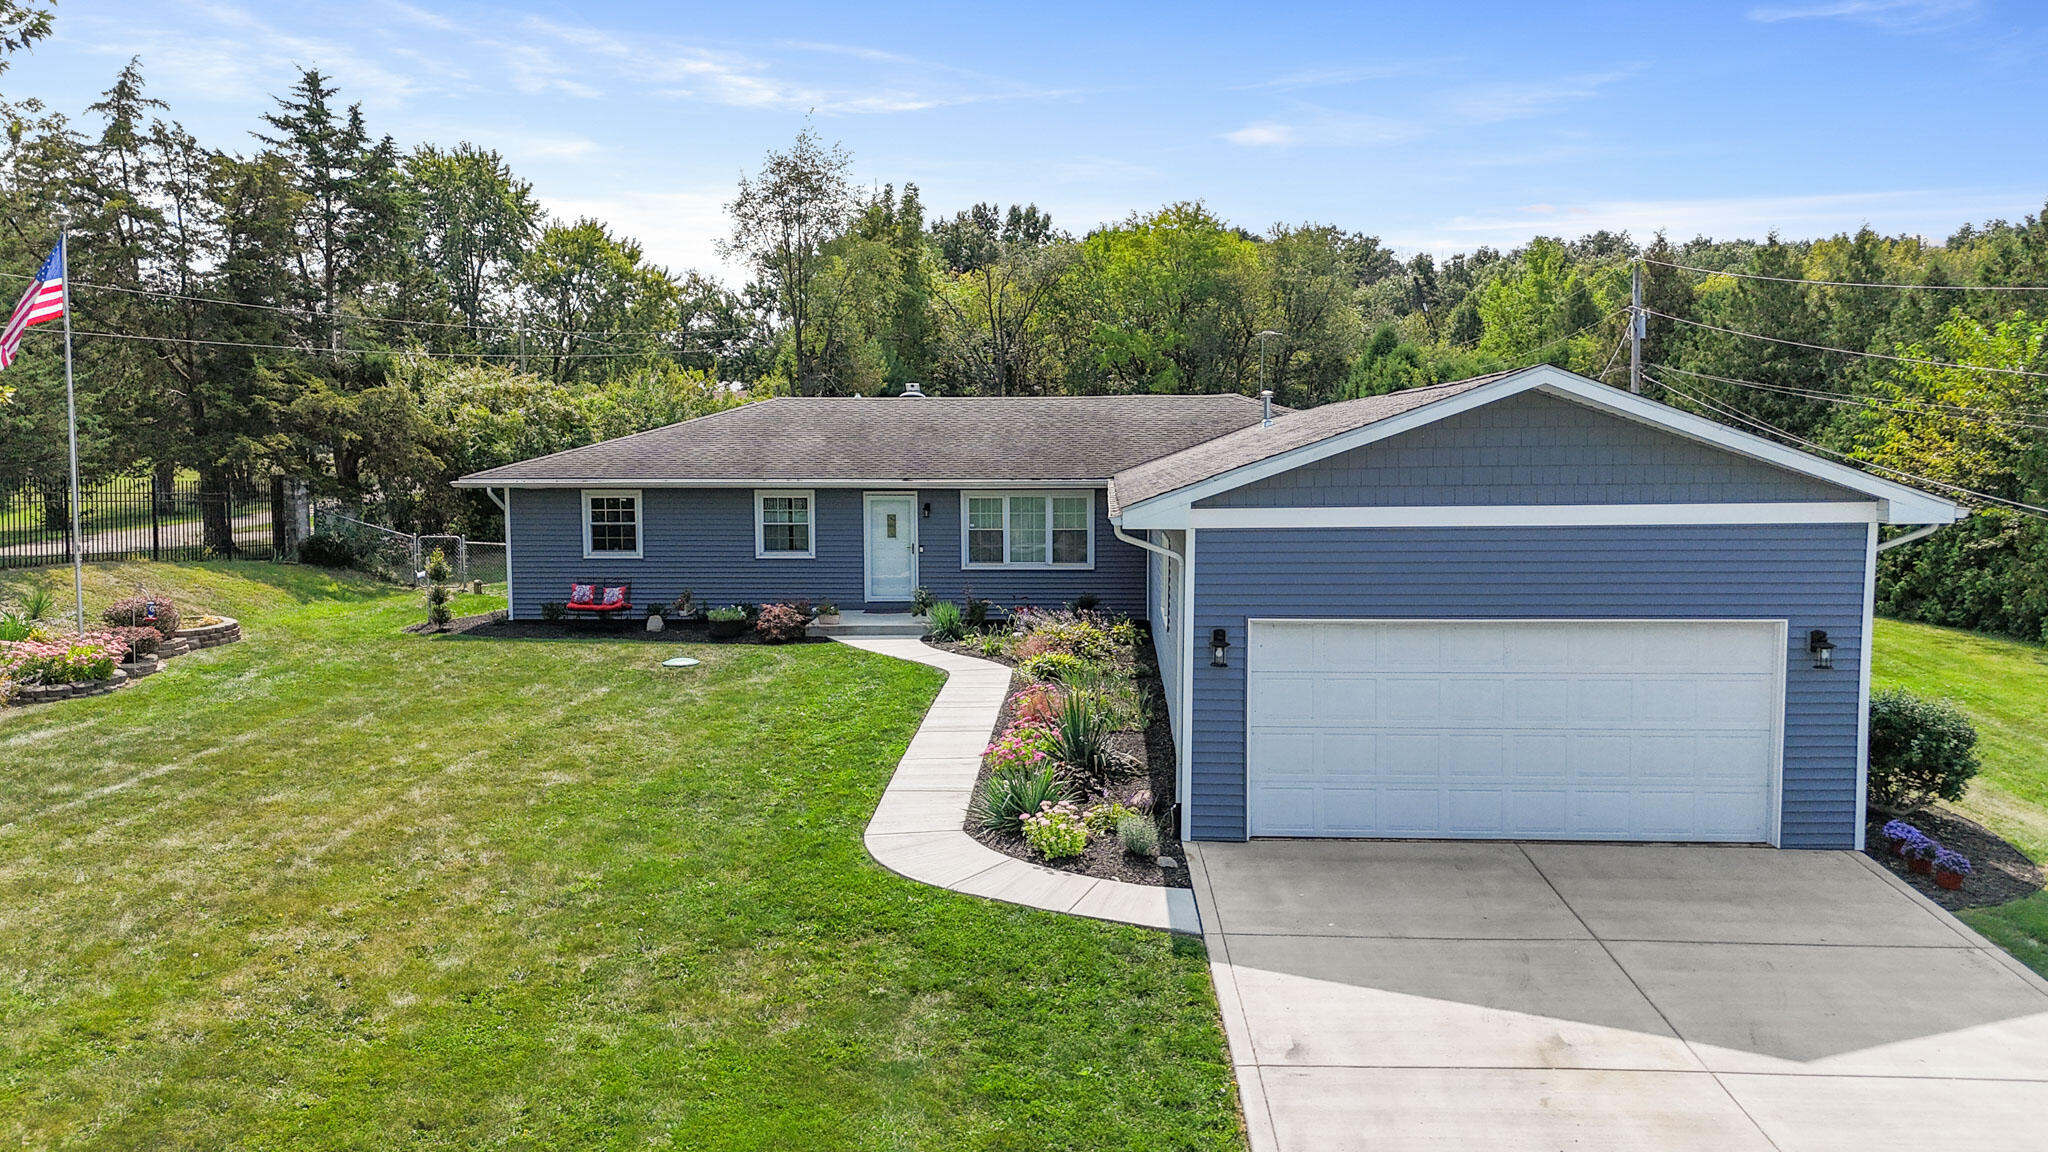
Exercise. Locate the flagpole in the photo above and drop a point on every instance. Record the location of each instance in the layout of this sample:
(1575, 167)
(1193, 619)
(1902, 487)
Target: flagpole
(71, 421)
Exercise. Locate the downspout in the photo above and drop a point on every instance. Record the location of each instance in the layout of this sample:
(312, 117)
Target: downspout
(493, 494)
(1180, 753)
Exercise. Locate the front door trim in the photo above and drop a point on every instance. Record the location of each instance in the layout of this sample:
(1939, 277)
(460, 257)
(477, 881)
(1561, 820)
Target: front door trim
(867, 551)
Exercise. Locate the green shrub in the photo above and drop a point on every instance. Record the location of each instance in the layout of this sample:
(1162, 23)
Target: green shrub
(1083, 735)
(945, 622)
(439, 614)
(1053, 666)
(1056, 831)
(331, 550)
(1140, 836)
(1920, 750)
(995, 645)
(975, 614)
(133, 612)
(1130, 710)
(15, 626)
(921, 601)
(1102, 818)
(552, 610)
(1010, 795)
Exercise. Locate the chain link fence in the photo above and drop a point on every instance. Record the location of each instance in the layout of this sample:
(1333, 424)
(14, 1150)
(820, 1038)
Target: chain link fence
(401, 557)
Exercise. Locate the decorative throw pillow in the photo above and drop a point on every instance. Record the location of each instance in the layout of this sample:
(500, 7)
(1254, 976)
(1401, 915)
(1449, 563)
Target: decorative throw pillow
(582, 593)
(614, 596)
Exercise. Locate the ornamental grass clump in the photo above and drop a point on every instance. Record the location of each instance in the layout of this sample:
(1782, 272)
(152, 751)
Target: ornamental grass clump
(1138, 834)
(1012, 794)
(1083, 735)
(945, 623)
(1056, 830)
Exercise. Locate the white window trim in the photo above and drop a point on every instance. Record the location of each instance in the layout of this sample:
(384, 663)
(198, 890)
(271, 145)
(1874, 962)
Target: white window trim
(639, 524)
(810, 499)
(1004, 495)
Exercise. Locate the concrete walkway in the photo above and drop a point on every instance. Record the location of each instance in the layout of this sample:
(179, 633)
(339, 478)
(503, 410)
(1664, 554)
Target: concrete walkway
(917, 828)
(1521, 997)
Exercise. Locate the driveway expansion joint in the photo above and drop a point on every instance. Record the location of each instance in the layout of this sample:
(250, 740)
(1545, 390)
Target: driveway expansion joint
(922, 837)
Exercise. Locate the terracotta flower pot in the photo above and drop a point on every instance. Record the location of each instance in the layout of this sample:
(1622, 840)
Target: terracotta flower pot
(1949, 880)
(1921, 867)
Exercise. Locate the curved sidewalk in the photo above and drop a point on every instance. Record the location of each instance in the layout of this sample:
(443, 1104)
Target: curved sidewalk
(917, 828)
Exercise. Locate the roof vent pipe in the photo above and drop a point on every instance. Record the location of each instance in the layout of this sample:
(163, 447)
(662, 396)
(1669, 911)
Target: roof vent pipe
(913, 388)
(1266, 407)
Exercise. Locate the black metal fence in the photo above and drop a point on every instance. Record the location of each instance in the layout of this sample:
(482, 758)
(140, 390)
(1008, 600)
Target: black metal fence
(137, 516)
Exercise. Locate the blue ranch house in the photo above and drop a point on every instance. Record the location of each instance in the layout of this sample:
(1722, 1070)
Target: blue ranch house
(1522, 606)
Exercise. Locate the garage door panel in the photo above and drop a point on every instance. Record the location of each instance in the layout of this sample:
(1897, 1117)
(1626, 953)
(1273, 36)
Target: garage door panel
(1409, 700)
(1593, 729)
(1476, 811)
(1338, 698)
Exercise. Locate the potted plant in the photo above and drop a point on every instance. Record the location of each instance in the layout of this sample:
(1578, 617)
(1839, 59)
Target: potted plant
(1920, 855)
(727, 622)
(684, 607)
(828, 612)
(1950, 868)
(1901, 834)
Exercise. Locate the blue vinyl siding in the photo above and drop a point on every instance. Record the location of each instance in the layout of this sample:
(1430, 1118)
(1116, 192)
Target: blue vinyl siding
(1530, 449)
(1811, 575)
(702, 539)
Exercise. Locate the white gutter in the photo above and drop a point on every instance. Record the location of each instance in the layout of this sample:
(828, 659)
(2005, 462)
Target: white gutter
(1908, 538)
(1118, 531)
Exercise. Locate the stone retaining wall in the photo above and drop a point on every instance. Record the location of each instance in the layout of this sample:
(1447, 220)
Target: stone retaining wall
(179, 643)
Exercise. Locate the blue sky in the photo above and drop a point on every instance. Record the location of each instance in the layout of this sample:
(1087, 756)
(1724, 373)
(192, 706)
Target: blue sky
(1436, 126)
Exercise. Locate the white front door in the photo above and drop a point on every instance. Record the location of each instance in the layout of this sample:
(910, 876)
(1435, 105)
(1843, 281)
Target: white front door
(1576, 730)
(891, 547)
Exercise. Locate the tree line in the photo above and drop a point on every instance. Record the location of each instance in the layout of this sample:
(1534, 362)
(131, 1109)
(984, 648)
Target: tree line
(327, 308)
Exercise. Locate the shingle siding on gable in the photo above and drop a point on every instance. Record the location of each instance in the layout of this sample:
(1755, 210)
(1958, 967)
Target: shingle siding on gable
(1811, 575)
(1530, 449)
(702, 539)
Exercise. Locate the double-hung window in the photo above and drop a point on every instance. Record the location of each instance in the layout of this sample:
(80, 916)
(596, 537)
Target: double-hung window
(1028, 529)
(611, 523)
(782, 524)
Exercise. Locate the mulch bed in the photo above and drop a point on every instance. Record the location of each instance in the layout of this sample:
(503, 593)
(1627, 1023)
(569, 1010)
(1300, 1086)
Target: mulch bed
(1153, 749)
(494, 626)
(2002, 872)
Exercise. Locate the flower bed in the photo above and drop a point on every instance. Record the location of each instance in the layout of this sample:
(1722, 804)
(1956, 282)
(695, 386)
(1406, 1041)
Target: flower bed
(1078, 775)
(208, 632)
(142, 633)
(1999, 873)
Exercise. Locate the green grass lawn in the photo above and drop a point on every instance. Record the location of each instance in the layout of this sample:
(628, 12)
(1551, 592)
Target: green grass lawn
(337, 886)
(2003, 685)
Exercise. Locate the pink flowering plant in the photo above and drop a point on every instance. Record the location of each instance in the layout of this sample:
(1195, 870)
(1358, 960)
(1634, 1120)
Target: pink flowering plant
(65, 660)
(1057, 830)
(1024, 746)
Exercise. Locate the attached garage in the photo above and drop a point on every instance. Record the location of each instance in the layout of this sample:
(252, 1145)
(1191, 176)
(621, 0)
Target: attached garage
(1533, 729)
(1527, 606)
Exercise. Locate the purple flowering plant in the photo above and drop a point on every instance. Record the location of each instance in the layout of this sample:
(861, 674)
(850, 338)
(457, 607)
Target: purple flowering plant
(1949, 860)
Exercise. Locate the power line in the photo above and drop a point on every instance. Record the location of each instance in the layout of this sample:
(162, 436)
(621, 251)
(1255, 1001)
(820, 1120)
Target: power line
(1764, 425)
(381, 351)
(1560, 340)
(1852, 283)
(1849, 351)
(1925, 407)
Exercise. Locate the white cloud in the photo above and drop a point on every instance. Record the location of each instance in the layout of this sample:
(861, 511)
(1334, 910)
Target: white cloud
(1933, 212)
(1494, 103)
(1264, 134)
(1897, 15)
(678, 229)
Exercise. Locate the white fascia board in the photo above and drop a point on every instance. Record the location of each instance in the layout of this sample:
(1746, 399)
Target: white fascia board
(1536, 515)
(1899, 503)
(896, 482)
(1148, 513)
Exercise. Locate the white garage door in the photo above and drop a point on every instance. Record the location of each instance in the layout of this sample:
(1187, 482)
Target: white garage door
(1581, 730)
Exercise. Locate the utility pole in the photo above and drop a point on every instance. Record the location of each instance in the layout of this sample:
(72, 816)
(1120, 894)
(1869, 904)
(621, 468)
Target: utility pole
(1636, 326)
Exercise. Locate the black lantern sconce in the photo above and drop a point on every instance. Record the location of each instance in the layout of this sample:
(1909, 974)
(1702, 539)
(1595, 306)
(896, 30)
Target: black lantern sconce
(1819, 647)
(1219, 649)
(926, 511)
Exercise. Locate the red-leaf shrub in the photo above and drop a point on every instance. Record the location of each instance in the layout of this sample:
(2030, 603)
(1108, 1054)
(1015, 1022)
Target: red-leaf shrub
(138, 642)
(1039, 704)
(781, 623)
(134, 613)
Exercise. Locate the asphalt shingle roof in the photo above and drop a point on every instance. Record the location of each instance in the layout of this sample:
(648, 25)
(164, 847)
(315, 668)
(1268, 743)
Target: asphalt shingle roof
(931, 438)
(1258, 442)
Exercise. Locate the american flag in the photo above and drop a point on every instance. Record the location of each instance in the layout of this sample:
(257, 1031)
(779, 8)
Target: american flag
(43, 301)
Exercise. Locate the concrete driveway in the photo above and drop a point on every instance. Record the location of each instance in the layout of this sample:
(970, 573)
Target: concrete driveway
(1508, 996)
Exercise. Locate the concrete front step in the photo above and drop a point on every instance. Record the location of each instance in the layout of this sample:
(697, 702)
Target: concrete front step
(871, 624)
